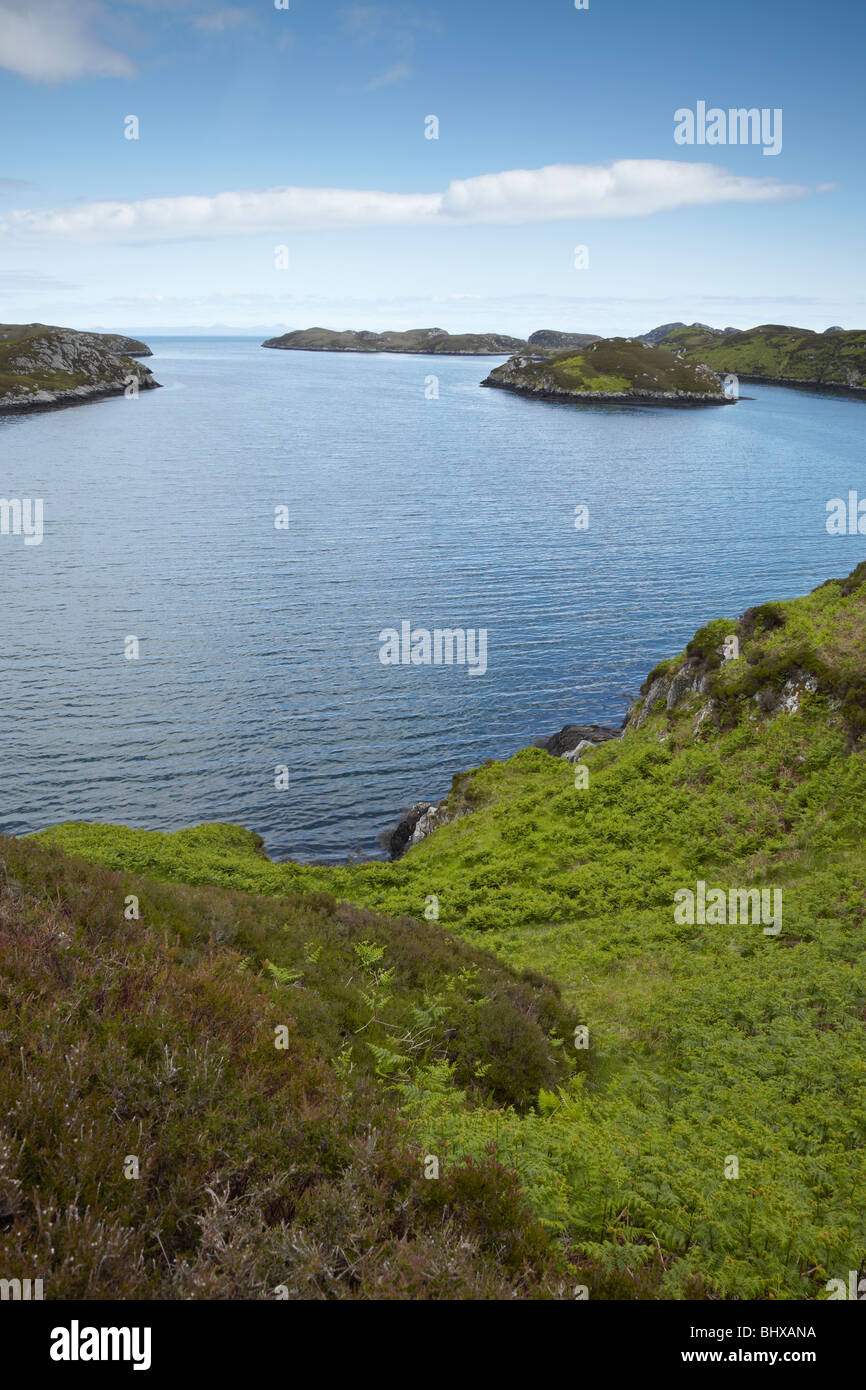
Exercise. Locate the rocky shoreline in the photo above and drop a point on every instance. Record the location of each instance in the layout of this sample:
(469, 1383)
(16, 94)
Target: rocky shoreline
(67, 400)
(682, 399)
(821, 388)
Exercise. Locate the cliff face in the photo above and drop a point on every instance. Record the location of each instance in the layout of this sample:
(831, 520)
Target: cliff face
(612, 369)
(43, 367)
(413, 340)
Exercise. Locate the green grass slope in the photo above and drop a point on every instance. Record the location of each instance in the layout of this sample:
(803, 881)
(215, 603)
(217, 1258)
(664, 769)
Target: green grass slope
(709, 1140)
(196, 1099)
(775, 352)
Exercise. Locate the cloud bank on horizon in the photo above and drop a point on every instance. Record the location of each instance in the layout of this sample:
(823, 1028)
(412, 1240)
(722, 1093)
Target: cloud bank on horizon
(626, 188)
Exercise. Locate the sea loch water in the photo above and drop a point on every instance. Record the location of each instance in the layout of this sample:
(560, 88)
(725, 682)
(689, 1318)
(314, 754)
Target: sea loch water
(259, 646)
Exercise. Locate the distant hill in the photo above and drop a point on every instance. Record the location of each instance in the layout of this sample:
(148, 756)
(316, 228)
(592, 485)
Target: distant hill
(776, 352)
(422, 341)
(618, 369)
(42, 367)
(552, 340)
(657, 335)
(702, 331)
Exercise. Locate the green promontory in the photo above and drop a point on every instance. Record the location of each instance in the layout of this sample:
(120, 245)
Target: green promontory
(422, 341)
(734, 1034)
(611, 369)
(835, 359)
(42, 367)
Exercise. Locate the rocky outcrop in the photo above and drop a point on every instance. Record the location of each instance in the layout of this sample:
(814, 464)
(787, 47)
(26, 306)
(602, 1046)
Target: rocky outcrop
(770, 700)
(118, 344)
(668, 691)
(419, 822)
(574, 739)
(43, 368)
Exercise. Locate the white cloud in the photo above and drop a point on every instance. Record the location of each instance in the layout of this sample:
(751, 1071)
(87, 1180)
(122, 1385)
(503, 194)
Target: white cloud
(220, 20)
(50, 41)
(627, 188)
(398, 73)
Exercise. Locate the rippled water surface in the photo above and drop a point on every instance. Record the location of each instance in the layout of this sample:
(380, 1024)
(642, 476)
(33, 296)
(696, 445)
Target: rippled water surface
(260, 647)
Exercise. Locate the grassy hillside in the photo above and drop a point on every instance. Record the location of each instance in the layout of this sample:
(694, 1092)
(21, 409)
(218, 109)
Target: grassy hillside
(615, 368)
(242, 1052)
(708, 1043)
(836, 358)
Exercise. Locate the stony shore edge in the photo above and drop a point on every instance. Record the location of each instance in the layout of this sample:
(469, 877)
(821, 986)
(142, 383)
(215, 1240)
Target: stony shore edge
(65, 400)
(670, 399)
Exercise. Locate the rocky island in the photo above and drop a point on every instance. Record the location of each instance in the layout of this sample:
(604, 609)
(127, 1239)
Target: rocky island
(421, 341)
(620, 370)
(43, 367)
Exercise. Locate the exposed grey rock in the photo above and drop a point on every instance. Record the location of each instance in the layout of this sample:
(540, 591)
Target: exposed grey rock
(682, 683)
(419, 822)
(573, 737)
(771, 700)
(672, 689)
(575, 754)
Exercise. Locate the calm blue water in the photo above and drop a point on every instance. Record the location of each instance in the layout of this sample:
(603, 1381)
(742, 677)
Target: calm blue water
(260, 647)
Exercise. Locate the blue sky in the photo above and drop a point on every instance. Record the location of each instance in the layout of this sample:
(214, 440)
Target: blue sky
(239, 102)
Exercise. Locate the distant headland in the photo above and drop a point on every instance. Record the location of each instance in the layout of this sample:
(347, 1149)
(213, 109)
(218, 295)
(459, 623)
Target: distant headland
(834, 360)
(433, 341)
